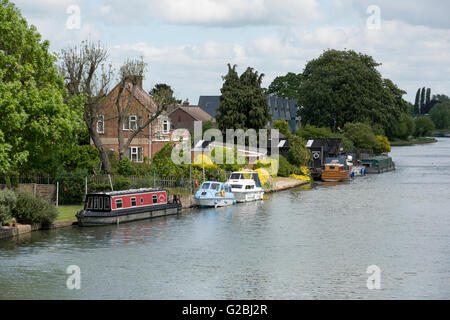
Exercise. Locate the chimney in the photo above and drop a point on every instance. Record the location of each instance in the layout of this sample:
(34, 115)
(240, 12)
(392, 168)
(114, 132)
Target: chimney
(186, 103)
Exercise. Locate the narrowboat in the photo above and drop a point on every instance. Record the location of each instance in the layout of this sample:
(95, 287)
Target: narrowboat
(246, 186)
(214, 194)
(378, 164)
(125, 206)
(336, 170)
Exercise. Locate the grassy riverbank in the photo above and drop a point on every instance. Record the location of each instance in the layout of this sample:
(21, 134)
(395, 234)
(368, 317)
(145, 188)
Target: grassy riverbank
(68, 212)
(409, 142)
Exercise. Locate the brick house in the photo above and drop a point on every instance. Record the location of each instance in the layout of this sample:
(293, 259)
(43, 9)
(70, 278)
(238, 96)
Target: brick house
(185, 115)
(147, 142)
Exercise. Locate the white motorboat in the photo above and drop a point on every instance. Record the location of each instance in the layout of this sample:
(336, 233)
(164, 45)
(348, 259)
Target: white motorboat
(246, 186)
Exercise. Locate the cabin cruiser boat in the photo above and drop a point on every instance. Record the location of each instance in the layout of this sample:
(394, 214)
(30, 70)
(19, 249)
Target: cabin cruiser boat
(246, 186)
(214, 194)
(337, 169)
(125, 206)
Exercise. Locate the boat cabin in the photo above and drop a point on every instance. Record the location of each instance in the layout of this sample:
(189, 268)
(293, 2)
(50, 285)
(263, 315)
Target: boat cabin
(119, 200)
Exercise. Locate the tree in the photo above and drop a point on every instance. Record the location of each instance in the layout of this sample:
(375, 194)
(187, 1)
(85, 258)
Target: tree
(35, 123)
(243, 101)
(440, 114)
(345, 86)
(404, 128)
(282, 126)
(164, 90)
(417, 103)
(362, 136)
(424, 126)
(428, 97)
(131, 73)
(87, 78)
(286, 86)
(422, 99)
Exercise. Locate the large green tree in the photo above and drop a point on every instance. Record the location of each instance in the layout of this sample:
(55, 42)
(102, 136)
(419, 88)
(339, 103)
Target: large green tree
(286, 86)
(35, 124)
(345, 86)
(417, 103)
(243, 101)
(440, 114)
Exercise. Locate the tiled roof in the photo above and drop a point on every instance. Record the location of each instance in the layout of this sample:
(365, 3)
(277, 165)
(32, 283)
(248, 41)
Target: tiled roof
(197, 113)
(209, 104)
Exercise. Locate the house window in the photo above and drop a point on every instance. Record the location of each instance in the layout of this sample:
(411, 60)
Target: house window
(119, 203)
(166, 127)
(133, 122)
(133, 202)
(135, 154)
(101, 124)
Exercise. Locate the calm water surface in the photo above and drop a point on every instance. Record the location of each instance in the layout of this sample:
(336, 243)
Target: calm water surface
(305, 243)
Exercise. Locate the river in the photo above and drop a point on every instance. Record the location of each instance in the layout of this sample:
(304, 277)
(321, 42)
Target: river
(306, 243)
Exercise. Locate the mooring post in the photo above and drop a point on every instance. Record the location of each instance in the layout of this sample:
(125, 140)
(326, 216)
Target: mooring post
(86, 186)
(110, 182)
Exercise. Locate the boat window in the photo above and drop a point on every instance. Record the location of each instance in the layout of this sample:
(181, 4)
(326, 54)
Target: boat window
(89, 203)
(119, 203)
(107, 204)
(100, 203)
(249, 187)
(155, 198)
(142, 200)
(205, 186)
(235, 176)
(133, 202)
(95, 203)
(236, 186)
(215, 186)
(227, 188)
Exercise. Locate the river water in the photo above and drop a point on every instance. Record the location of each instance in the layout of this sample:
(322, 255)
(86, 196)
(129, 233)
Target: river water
(308, 243)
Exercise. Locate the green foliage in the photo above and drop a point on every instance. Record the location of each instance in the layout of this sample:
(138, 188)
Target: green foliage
(282, 126)
(8, 201)
(163, 165)
(309, 132)
(404, 128)
(344, 86)
(285, 169)
(162, 91)
(207, 125)
(35, 124)
(81, 157)
(362, 136)
(286, 86)
(385, 145)
(121, 183)
(424, 126)
(31, 210)
(298, 154)
(422, 98)
(440, 114)
(72, 186)
(243, 101)
(125, 167)
(417, 102)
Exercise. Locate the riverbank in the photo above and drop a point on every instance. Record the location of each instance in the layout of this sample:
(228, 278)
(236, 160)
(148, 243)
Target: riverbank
(410, 142)
(66, 217)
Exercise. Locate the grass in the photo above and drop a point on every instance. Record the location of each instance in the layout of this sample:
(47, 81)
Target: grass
(68, 212)
(412, 141)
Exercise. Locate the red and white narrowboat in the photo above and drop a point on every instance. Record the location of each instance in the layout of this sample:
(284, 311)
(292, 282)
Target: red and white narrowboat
(125, 206)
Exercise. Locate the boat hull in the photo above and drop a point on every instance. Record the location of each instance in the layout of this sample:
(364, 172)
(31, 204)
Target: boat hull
(214, 202)
(90, 219)
(248, 196)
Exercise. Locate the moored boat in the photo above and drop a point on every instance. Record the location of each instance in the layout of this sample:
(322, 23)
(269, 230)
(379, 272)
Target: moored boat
(378, 164)
(336, 170)
(214, 194)
(125, 206)
(246, 186)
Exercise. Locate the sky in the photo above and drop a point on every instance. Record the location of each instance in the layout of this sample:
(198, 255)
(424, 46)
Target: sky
(188, 43)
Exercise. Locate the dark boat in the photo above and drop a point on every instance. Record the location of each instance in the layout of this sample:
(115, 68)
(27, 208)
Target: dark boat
(125, 206)
(378, 164)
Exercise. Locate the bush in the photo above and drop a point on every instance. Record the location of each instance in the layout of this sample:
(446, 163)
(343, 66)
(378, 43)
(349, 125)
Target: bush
(72, 186)
(8, 201)
(385, 146)
(121, 184)
(440, 114)
(285, 169)
(309, 132)
(298, 154)
(31, 210)
(424, 126)
(361, 135)
(98, 187)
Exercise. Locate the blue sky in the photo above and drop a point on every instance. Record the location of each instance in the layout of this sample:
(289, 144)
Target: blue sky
(188, 43)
